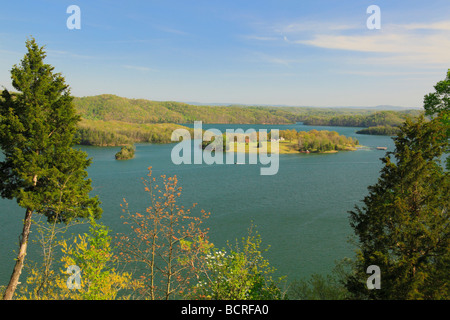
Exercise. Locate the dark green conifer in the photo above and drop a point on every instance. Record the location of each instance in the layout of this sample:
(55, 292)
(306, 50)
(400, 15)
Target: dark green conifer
(437, 104)
(40, 169)
(403, 226)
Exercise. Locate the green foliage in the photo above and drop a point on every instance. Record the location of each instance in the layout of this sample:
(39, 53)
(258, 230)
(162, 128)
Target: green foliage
(439, 101)
(42, 278)
(380, 130)
(110, 107)
(93, 254)
(319, 141)
(109, 120)
(323, 287)
(117, 133)
(317, 287)
(126, 152)
(437, 104)
(241, 274)
(381, 118)
(403, 225)
(41, 170)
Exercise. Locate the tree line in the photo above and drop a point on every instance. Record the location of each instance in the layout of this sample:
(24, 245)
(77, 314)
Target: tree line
(109, 107)
(380, 118)
(380, 130)
(118, 133)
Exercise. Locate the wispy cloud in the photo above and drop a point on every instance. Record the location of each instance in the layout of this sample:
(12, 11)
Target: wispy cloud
(438, 26)
(272, 59)
(133, 41)
(399, 47)
(281, 32)
(312, 26)
(409, 43)
(390, 73)
(10, 52)
(260, 38)
(138, 68)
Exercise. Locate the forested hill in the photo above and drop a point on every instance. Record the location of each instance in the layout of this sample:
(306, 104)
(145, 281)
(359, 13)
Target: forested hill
(109, 107)
(379, 118)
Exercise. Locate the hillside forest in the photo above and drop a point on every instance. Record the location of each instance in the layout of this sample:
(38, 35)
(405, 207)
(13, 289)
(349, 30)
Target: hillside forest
(110, 120)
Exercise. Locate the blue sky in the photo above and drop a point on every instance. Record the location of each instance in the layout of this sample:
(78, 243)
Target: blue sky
(304, 53)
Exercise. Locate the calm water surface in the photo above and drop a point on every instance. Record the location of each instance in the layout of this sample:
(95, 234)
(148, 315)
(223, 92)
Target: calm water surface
(301, 212)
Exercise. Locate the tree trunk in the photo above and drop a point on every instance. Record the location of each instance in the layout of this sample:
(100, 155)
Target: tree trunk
(20, 257)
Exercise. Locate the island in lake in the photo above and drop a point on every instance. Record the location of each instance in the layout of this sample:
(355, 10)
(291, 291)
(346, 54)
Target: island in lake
(289, 141)
(126, 152)
(380, 130)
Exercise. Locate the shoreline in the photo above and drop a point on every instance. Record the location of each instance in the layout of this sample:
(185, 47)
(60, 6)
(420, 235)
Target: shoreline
(283, 148)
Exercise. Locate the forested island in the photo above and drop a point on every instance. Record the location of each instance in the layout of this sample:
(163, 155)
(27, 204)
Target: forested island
(290, 141)
(126, 152)
(315, 141)
(380, 130)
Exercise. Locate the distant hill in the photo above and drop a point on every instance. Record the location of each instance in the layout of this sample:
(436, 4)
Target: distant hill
(386, 108)
(377, 108)
(108, 107)
(371, 119)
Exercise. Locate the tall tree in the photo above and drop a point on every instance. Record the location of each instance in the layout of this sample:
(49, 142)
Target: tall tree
(41, 169)
(437, 104)
(403, 227)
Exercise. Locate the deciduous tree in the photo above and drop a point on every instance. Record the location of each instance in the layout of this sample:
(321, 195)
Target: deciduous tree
(240, 274)
(168, 242)
(93, 254)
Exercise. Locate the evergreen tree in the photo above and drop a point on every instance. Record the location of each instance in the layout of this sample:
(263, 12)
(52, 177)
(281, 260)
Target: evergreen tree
(438, 104)
(403, 227)
(41, 170)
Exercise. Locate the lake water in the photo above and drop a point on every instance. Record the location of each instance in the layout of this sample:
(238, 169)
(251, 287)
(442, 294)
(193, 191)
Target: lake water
(301, 212)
